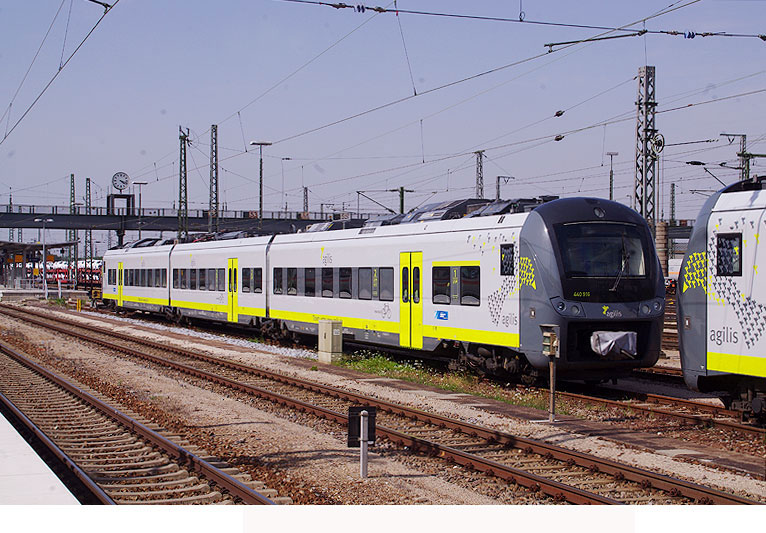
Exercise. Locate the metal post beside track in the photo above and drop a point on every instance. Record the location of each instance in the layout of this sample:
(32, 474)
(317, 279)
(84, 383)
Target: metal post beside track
(551, 349)
(363, 445)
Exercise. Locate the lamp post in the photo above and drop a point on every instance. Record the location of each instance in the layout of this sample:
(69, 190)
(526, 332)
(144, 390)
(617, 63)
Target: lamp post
(283, 180)
(260, 145)
(611, 173)
(139, 183)
(45, 257)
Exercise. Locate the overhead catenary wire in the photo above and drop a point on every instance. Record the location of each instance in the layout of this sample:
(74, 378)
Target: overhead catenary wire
(107, 10)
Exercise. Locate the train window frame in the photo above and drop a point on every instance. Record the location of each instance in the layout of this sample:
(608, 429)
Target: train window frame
(405, 284)
(386, 283)
(416, 282)
(507, 257)
(183, 279)
(246, 279)
(313, 284)
(467, 298)
(164, 278)
(364, 283)
(278, 283)
(193, 279)
(211, 279)
(292, 281)
(221, 279)
(327, 276)
(175, 278)
(438, 296)
(157, 277)
(150, 277)
(258, 280)
(734, 269)
(202, 279)
(345, 278)
(142, 277)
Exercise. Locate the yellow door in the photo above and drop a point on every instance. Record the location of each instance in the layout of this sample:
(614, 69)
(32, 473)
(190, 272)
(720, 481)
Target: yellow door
(120, 283)
(411, 303)
(232, 315)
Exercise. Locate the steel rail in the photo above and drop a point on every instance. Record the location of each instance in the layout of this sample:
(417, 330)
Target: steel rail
(234, 487)
(61, 455)
(620, 471)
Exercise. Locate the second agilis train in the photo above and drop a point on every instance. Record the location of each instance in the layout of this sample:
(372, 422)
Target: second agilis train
(474, 290)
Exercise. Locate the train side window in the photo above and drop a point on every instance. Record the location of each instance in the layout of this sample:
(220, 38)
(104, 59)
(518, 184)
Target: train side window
(729, 254)
(416, 285)
(201, 279)
(158, 277)
(440, 285)
(142, 277)
(309, 282)
(327, 279)
(344, 282)
(222, 279)
(506, 259)
(150, 277)
(193, 279)
(183, 278)
(175, 278)
(110, 277)
(386, 284)
(164, 277)
(277, 281)
(211, 283)
(405, 284)
(470, 288)
(246, 281)
(257, 280)
(364, 278)
(292, 281)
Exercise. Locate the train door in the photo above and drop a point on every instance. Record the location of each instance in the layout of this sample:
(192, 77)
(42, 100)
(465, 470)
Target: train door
(231, 308)
(120, 282)
(411, 303)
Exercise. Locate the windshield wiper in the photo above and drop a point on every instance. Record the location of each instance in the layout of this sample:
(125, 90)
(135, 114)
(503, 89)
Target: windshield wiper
(625, 259)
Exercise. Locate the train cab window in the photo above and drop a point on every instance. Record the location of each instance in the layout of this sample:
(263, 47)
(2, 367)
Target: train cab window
(183, 278)
(175, 278)
(292, 281)
(416, 285)
(309, 282)
(327, 279)
(386, 284)
(221, 279)
(364, 279)
(257, 280)
(211, 284)
(506, 259)
(344, 282)
(440, 285)
(470, 289)
(193, 279)
(405, 284)
(278, 282)
(729, 254)
(246, 279)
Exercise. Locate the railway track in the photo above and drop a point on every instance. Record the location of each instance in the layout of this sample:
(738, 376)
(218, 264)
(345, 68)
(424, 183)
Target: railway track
(117, 458)
(560, 473)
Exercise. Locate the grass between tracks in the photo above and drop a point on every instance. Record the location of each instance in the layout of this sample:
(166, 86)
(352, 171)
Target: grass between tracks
(416, 371)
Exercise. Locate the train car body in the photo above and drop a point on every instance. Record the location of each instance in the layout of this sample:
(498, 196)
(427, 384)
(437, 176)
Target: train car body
(475, 290)
(721, 303)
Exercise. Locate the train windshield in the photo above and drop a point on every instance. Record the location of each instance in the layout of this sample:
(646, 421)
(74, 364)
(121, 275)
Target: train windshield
(599, 250)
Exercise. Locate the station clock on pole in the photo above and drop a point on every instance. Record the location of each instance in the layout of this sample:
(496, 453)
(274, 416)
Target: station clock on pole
(120, 181)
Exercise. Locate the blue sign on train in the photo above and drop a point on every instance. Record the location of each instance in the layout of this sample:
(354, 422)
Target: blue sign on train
(442, 315)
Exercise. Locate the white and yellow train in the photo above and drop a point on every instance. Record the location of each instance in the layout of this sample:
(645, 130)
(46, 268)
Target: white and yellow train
(475, 289)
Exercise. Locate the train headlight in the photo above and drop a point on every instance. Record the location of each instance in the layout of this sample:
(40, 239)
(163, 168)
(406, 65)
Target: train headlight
(657, 305)
(645, 309)
(561, 306)
(575, 310)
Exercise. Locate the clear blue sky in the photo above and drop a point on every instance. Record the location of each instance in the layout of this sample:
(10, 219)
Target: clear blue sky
(151, 66)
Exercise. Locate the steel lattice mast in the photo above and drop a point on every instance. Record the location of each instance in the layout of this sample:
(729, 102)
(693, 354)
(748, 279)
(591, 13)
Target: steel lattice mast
(212, 224)
(479, 174)
(88, 233)
(71, 235)
(183, 206)
(644, 191)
